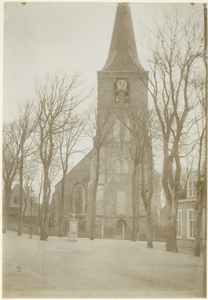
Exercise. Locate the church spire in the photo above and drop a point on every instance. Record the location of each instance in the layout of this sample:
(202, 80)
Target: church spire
(123, 53)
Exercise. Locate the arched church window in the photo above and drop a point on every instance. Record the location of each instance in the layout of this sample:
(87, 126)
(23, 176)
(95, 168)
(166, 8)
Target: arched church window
(116, 130)
(127, 134)
(78, 199)
(121, 167)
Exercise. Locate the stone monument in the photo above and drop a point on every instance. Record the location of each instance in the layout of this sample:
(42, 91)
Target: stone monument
(73, 229)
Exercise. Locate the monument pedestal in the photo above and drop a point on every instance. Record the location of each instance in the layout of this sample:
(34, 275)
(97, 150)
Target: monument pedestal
(73, 229)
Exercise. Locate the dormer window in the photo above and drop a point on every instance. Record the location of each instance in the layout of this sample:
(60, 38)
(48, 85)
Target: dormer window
(192, 188)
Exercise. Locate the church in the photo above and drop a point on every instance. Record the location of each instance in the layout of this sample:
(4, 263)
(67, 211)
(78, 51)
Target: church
(121, 82)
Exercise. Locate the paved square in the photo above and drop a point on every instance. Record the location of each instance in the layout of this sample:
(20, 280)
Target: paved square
(101, 268)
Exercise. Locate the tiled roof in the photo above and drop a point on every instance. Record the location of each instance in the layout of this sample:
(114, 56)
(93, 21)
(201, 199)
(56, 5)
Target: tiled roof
(123, 53)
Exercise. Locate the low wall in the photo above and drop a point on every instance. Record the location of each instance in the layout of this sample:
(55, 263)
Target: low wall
(25, 219)
(25, 228)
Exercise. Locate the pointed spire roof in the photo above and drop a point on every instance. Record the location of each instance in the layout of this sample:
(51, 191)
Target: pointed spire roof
(123, 53)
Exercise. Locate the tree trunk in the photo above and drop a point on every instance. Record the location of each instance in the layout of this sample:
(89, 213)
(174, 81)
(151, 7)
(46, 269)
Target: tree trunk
(170, 187)
(146, 192)
(92, 235)
(19, 232)
(61, 231)
(7, 197)
(149, 226)
(197, 250)
(23, 215)
(137, 205)
(44, 221)
(39, 215)
(4, 212)
(171, 244)
(26, 197)
(134, 205)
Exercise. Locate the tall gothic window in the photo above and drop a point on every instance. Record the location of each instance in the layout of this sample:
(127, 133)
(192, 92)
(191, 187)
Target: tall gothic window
(78, 199)
(116, 130)
(127, 134)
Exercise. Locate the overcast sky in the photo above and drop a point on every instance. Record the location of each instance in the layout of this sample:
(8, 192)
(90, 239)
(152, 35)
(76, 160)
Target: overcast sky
(42, 37)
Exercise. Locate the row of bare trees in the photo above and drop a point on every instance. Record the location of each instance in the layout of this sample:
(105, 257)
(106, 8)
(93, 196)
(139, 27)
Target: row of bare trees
(49, 126)
(175, 63)
(46, 128)
(50, 129)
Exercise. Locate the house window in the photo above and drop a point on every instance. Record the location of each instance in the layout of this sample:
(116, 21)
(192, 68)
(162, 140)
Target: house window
(191, 223)
(16, 200)
(78, 199)
(179, 224)
(192, 189)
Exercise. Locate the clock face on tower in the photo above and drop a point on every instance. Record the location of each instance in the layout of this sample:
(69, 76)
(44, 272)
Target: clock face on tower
(121, 84)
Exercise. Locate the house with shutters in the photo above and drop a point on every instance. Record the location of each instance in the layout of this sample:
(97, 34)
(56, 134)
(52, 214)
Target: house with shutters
(186, 217)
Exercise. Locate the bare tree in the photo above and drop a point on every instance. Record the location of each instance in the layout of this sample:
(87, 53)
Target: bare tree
(101, 130)
(40, 181)
(201, 168)
(26, 125)
(54, 171)
(147, 189)
(11, 159)
(57, 96)
(135, 125)
(137, 122)
(66, 142)
(200, 188)
(174, 62)
(29, 177)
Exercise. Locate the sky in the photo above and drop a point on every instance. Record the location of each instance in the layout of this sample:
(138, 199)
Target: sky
(42, 37)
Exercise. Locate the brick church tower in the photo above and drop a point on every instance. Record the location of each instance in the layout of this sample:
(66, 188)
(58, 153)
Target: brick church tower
(122, 83)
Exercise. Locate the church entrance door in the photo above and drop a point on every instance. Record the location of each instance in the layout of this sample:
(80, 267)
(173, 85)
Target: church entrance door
(120, 230)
